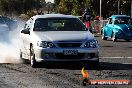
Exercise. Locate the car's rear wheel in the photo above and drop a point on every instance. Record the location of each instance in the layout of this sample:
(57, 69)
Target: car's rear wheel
(20, 54)
(113, 36)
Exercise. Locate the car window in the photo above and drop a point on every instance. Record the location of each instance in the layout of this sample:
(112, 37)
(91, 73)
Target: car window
(123, 20)
(110, 20)
(28, 24)
(58, 24)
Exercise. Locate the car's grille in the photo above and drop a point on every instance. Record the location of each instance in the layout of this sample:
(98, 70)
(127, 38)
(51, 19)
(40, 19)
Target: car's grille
(65, 45)
(62, 56)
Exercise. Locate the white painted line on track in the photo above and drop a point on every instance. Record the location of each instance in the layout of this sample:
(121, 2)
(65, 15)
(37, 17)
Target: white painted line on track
(116, 57)
(127, 63)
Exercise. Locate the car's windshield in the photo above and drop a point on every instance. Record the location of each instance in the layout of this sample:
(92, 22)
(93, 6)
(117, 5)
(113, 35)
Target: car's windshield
(123, 20)
(58, 24)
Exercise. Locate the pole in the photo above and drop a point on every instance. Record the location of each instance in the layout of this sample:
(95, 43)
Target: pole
(131, 8)
(100, 7)
(118, 7)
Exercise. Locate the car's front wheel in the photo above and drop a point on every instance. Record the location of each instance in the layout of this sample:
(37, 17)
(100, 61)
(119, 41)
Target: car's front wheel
(32, 57)
(103, 36)
(33, 61)
(113, 36)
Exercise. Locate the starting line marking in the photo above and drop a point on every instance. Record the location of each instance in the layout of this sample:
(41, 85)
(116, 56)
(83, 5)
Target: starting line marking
(117, 57)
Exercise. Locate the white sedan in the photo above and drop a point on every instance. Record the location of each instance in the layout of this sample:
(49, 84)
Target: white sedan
(58, 37)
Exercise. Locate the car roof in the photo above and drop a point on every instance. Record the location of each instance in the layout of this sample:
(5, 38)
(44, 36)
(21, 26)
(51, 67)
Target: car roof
(115, 16)
(53, 16)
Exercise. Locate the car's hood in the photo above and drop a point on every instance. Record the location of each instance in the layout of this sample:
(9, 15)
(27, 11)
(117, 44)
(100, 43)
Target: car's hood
(64, 35)
(126, 28)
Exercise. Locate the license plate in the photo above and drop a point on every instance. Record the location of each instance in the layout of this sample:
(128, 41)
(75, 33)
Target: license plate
(70, 52)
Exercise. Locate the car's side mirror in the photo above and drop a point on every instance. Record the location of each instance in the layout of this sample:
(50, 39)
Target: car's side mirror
(25, 31)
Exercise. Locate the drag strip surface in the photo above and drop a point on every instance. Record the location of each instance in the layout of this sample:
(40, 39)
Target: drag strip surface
(115, 63)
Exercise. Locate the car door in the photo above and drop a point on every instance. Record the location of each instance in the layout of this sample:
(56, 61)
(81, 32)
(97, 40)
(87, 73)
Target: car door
(109, 27)
(26, 37)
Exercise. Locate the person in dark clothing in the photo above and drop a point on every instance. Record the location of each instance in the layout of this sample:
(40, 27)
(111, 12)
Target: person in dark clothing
(86, 17)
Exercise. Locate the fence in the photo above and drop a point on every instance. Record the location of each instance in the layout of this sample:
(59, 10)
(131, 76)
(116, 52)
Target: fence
(97, 25)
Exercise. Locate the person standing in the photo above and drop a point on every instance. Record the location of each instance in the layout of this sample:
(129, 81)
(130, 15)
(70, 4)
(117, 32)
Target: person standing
(86, 17)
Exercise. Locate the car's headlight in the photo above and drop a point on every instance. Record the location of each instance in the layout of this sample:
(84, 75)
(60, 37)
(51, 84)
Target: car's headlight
(91, 44)
(45, 44)
(87, 44)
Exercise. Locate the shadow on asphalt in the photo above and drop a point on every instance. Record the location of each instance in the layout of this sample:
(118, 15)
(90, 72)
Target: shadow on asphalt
(114, 66)
(71, 66)
(108, 46)
(78, 66)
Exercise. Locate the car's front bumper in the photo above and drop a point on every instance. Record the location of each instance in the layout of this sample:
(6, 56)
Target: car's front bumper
(57, 54)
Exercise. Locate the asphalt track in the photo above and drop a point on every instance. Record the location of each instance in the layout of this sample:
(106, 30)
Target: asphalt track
(115, 63)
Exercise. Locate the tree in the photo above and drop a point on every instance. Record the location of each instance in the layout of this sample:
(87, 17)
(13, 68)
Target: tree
(19, 6)
(74, 7)
(4, 5)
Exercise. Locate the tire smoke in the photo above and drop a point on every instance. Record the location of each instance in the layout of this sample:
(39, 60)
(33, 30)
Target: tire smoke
(9, 45)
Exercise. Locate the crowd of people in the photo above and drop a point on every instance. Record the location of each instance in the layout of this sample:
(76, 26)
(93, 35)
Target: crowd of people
(93, 25)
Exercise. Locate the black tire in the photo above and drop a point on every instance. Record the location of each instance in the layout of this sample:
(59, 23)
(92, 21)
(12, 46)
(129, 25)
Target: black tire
(21, 55)
(31, 50)
(33, 62)
(32, 57)
(113, 36)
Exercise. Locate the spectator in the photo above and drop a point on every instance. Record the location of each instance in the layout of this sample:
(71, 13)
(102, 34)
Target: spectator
(86, 17)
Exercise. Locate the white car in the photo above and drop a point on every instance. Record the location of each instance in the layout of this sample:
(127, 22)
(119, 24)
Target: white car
(58, 37)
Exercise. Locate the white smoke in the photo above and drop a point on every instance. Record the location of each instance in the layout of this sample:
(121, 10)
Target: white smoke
(10, 43)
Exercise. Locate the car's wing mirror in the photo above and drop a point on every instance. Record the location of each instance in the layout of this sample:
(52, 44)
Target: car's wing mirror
(25, 31)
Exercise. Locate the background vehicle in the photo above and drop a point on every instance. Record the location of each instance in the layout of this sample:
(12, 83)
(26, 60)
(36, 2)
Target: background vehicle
(58, 37)
(6, 25)
(118, 27)
(11, 23)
